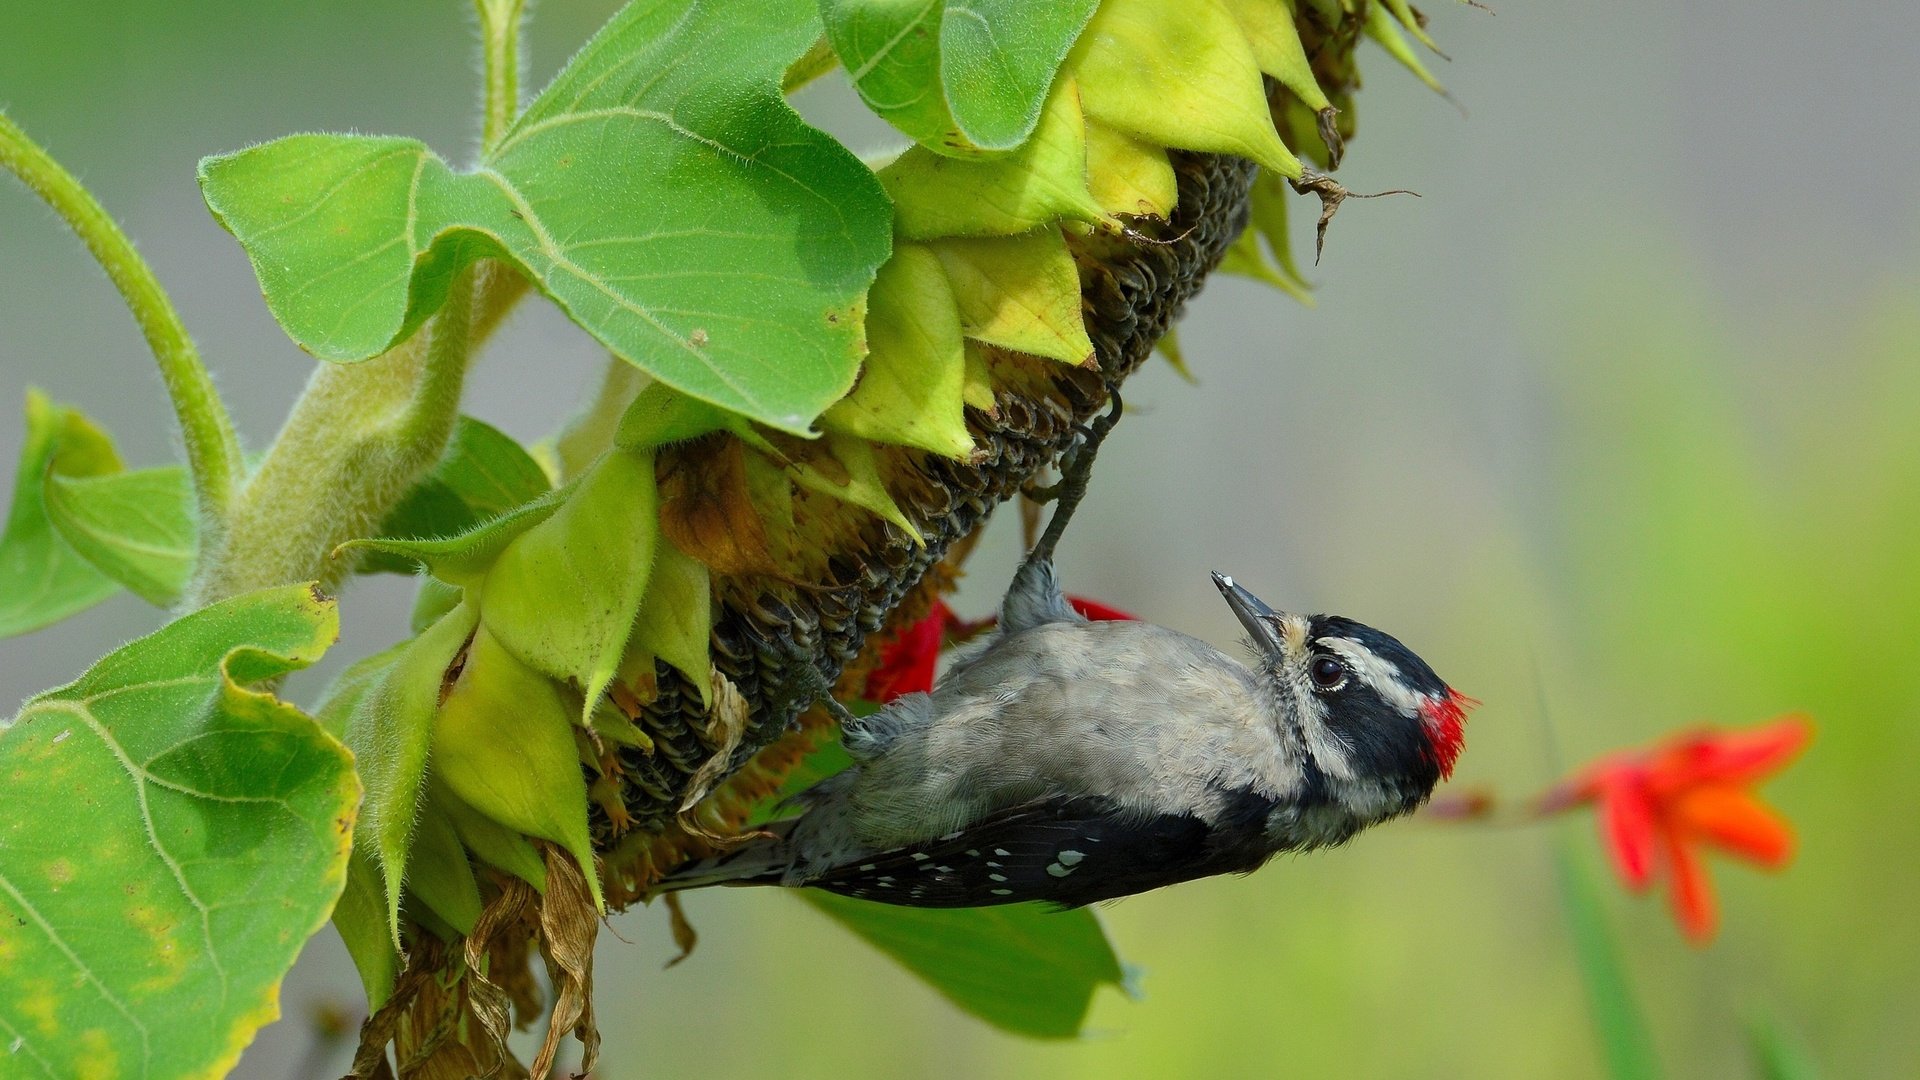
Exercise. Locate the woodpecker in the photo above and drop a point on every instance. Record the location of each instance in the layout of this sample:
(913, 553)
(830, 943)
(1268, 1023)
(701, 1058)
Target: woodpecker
(1070, 761)
(1074, 761)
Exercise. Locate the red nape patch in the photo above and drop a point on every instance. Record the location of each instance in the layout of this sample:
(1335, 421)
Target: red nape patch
(1446, 728)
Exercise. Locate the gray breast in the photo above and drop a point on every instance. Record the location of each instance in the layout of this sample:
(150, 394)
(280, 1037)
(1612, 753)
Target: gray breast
(1146, 716)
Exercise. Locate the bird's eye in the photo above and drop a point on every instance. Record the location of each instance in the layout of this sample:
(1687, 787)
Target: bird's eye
(1327, 673)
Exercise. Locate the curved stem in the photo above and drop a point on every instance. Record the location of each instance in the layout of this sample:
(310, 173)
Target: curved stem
(213, 450)
(359, 437)
(591, 431)
(500, 59)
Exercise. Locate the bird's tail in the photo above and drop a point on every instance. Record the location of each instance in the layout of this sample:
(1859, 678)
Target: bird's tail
(762, 860)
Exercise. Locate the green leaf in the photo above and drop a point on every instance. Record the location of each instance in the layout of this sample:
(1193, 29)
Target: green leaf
(434, 599)
(855, 479)
(361, 918)
(490, 472)
(1020, 293)
(438, 873)
(563, 595)
(333, 710)
(463, 560)
(1179, 74)
(1617, 1020)
(675, 621)
(390, 733)
(42, 580)
(1019, 967)
(1037, 185)
(490, 841)
(1244, 258)
(483, 475)
(504, 745)
(174, 835)
(956, 77)
(660, 415)
(660, 190)
(911, 390)
(138, 527)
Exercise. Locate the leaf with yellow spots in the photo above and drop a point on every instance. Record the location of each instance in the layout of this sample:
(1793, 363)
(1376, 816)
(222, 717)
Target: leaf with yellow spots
(217, 822)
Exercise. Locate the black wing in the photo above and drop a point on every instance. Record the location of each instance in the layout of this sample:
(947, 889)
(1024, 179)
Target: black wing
(1068, 852)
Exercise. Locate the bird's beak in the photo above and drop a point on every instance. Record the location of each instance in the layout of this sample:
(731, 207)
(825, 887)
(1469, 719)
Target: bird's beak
(1261, 621)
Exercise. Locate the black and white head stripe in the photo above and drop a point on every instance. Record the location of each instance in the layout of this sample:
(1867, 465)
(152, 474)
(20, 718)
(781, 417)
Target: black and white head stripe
(1395, 671)
(1379, 718)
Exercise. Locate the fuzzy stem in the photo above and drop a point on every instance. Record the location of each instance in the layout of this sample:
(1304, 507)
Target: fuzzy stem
(591, 431)
(213, 450)
(500, 56)
(359, 437)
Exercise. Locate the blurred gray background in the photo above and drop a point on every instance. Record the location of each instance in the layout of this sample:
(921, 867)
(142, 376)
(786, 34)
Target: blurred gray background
(1401, 455)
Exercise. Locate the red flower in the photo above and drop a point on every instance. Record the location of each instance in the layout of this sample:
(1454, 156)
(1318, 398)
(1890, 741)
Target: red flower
(1099, 612)
(907, 663)
(1658, 807)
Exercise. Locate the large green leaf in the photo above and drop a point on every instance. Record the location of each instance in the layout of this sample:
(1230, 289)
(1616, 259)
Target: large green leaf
(42, 580)
(660, 190)
(173, 835)
(959, 77)
(1020, 967)
(136, 527)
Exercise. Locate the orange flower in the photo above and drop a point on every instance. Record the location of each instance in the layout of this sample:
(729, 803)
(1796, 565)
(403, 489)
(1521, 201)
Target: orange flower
(1658, 807)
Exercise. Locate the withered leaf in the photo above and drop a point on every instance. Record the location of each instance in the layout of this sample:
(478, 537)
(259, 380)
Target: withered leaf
(706, 511)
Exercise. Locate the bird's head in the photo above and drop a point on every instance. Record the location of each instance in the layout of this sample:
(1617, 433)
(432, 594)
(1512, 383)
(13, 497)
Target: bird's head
(1372, 721)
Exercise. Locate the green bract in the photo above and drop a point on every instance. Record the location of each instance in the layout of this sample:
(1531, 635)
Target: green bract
(42, 580)
(191, 832)
(563, 595)
(742, 289)
(958, 78)
(482, 475)
(390, 732)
